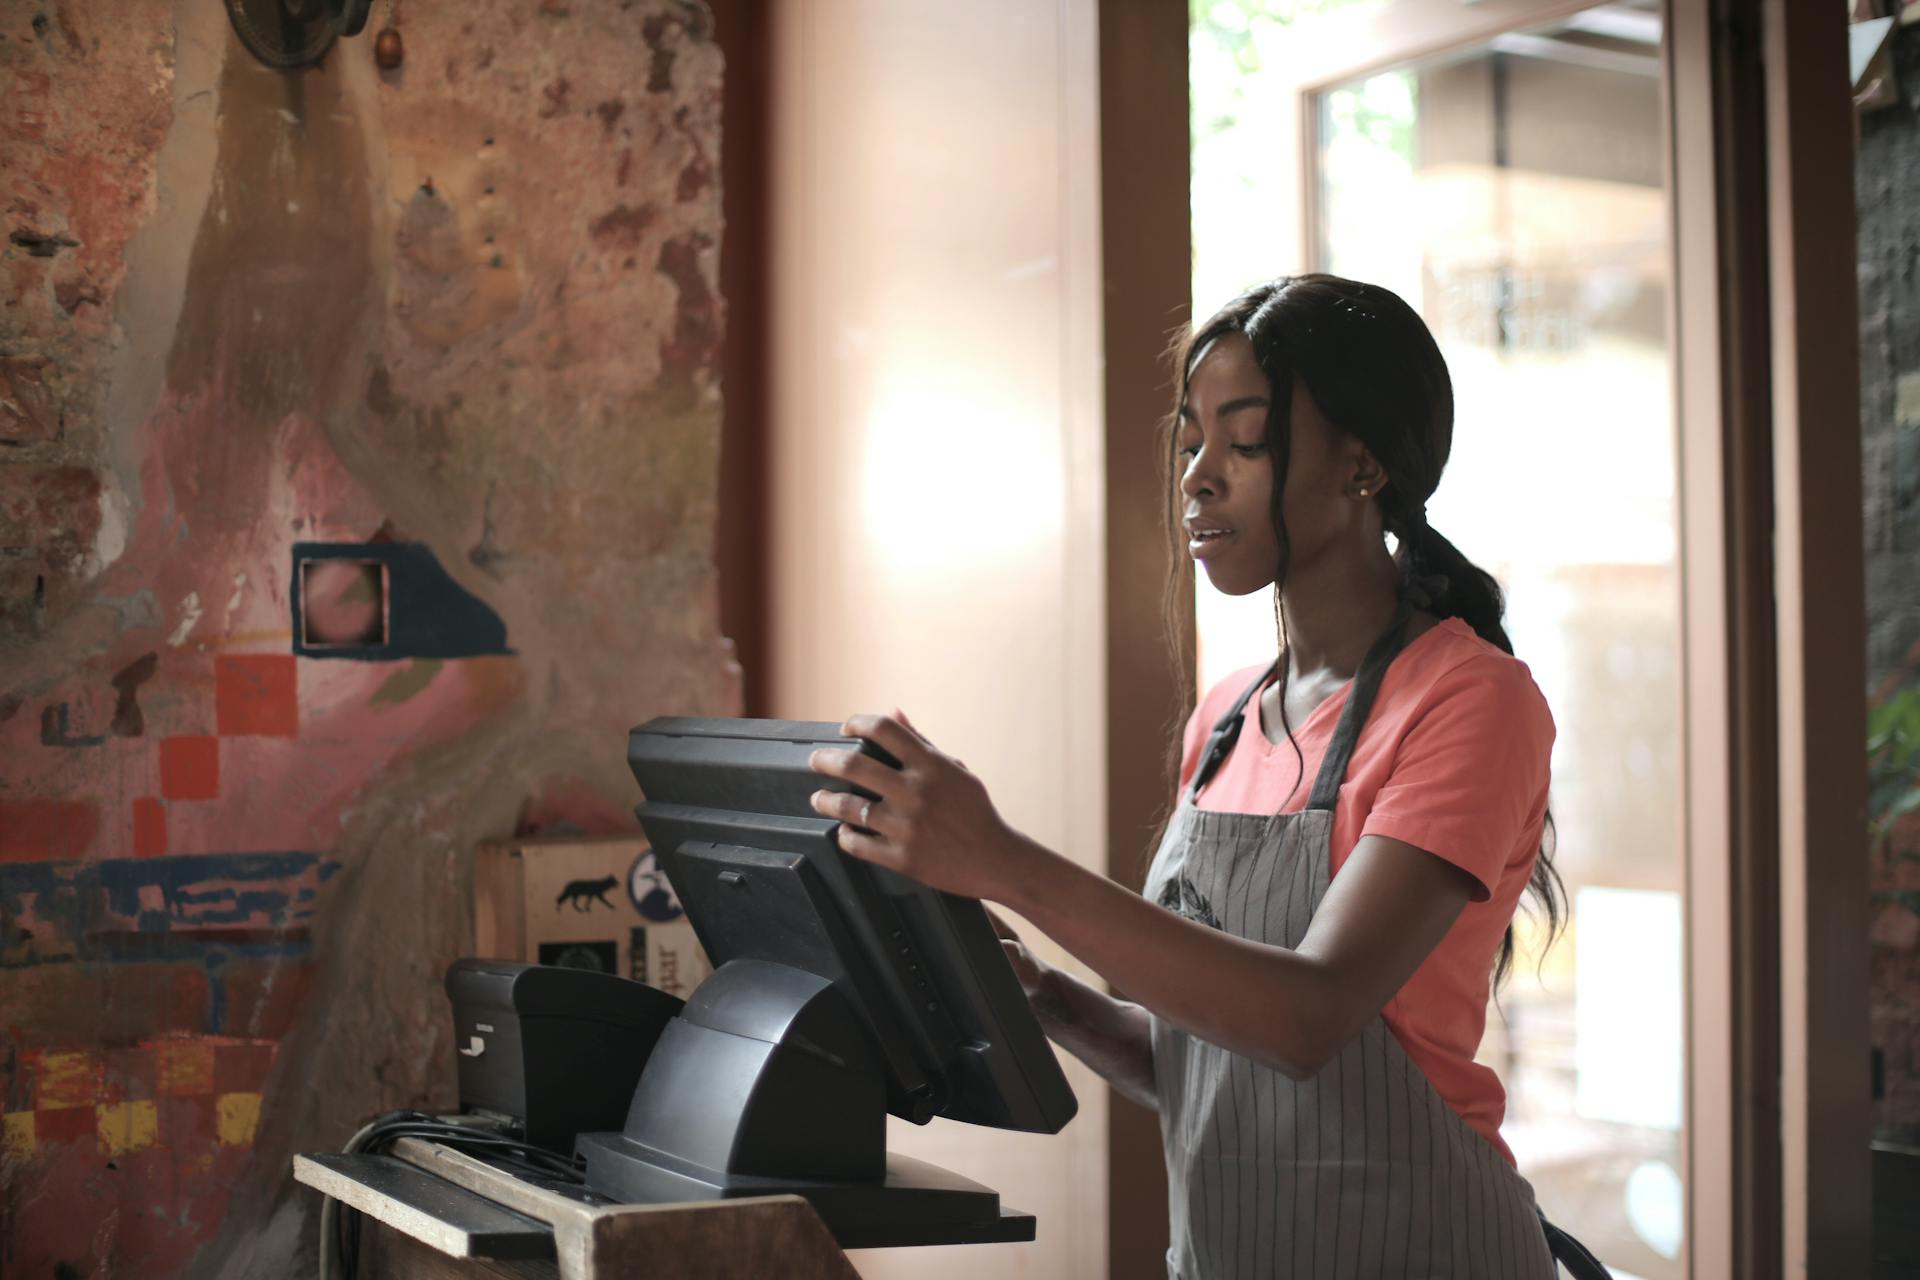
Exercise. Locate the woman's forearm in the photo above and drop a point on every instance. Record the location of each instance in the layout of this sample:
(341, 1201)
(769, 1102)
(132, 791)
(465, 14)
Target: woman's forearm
(1252, 1000)
(1111, 1036)
(1288, 1008)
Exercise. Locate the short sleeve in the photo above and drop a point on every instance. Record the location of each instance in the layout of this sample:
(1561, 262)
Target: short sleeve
(1469, 776)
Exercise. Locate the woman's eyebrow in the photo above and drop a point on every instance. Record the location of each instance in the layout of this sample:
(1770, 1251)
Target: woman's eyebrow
(1231, 406)
(1245, 402)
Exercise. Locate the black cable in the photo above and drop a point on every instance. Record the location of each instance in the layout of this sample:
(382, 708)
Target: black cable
(413, 1124)
(520, 1157)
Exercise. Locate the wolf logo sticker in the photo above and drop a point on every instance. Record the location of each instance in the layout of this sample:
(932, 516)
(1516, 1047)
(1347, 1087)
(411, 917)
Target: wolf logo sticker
(582, 894)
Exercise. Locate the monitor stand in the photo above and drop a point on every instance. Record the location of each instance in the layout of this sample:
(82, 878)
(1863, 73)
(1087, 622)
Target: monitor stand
(768, 1083)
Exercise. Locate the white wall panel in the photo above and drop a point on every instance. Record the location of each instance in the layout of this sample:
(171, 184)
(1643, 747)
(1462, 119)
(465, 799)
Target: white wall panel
(936, 457)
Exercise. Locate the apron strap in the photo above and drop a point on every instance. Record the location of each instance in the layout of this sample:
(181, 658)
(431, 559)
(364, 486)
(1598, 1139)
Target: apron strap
(1353, 716)
(1571, 1254)
(1226, 732)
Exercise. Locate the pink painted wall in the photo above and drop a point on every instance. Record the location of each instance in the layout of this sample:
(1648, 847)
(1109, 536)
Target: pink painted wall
(468, 304)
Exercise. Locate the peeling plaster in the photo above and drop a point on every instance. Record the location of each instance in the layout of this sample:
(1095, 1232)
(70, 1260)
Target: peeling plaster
(189, 615)
(149, 300)
(111, 540)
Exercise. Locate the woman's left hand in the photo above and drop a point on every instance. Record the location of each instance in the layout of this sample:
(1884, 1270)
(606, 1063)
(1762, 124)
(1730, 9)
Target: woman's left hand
(933, 820)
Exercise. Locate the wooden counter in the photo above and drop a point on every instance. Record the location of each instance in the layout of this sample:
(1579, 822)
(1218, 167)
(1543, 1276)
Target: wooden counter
(436, 1213)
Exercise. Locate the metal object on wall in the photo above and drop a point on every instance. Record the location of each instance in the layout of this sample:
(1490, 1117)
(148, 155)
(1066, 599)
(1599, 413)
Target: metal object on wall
(295, 33)
(388, 50)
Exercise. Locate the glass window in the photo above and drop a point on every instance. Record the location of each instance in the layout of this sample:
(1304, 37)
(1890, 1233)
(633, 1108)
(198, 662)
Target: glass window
(1513, 193)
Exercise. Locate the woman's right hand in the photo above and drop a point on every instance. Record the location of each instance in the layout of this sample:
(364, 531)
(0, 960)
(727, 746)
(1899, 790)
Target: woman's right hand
(1029, 968)
(1112, 1036)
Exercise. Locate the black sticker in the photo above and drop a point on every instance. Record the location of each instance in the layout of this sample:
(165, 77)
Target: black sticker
(582, 894)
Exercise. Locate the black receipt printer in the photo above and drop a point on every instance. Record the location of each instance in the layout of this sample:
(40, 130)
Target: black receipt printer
(555, 1050)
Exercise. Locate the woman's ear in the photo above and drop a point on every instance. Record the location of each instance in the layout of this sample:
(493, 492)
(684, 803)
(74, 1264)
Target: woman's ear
(1367, 477)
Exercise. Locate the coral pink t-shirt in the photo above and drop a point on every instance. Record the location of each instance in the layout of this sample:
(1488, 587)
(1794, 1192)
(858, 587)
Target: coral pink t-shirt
(1453, 760)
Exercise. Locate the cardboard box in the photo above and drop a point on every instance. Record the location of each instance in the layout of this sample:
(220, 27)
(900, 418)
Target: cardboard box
(592, 902)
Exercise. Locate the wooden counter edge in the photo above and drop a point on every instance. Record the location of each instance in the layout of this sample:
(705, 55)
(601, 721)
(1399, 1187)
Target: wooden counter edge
(720, 1239)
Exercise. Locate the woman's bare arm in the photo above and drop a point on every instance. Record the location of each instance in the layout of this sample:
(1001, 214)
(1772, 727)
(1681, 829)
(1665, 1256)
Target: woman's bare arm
(1114, 1037)
(1111, 1036)
(1288, 1009)
(1291, 1010)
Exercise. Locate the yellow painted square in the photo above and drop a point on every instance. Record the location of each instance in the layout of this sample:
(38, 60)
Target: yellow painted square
(184, 1068)
(66, 1080)
(126, 1126)
(238, 1115)
(17, 1133)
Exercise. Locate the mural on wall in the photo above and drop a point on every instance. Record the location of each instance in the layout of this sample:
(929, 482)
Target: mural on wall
(358, 450)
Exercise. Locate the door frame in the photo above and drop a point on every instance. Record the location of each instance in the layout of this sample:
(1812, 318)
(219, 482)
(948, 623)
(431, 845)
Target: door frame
(1819, 583)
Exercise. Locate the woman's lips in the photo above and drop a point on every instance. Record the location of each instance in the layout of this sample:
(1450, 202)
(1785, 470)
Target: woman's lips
(1202, 543)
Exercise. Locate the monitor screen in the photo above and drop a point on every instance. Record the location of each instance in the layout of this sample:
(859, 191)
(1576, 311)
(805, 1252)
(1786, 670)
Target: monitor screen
(727, 812)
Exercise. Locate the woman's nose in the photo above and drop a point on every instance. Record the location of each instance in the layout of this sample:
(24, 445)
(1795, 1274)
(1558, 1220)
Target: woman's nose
(1201, 475)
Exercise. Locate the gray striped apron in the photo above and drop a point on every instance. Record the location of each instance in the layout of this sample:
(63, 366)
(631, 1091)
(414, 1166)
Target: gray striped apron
(1363, 1170)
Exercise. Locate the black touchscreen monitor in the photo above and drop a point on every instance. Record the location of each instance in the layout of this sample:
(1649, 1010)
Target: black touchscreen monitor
(761, 878)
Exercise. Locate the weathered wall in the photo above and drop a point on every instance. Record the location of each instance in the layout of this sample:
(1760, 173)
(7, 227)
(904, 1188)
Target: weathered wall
(464, 310)
(1887, 178)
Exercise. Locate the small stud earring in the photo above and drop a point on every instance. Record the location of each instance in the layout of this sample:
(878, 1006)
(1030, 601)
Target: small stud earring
(1363, 491)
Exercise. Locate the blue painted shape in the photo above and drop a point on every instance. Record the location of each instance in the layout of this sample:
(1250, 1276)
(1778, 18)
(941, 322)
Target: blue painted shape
(429, 615)
(236, 904)
(56, 729)
(216, 994)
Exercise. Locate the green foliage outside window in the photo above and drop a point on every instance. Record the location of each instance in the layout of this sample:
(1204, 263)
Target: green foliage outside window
(1893, 781)
(1239, 186)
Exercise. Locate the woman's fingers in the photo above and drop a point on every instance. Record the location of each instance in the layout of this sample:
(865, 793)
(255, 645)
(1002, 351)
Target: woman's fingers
(1000, 925)
(1025, 967)
(860, 770)
(899, 741)
(867, 847)
(854, 811)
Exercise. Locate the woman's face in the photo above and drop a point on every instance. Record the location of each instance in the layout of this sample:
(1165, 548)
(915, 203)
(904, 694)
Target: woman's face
(1227, 485)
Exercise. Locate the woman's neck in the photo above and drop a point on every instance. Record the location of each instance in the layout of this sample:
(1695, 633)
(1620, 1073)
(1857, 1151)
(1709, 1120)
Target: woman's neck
(1335, 608)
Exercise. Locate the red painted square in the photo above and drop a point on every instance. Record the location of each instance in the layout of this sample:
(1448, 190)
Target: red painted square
(255, 693)
(149, 827)
(190, 768)
(33, 830)
(128, 1071)
(191, 998)
(64, 1124)
(242, 1067)
(187, 1125)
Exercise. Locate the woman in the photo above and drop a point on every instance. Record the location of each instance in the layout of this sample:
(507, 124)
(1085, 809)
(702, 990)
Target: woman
(1357, 822)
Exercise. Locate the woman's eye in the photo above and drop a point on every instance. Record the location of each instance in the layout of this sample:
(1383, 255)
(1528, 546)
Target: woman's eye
(1189, 450)
(1250, 450)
